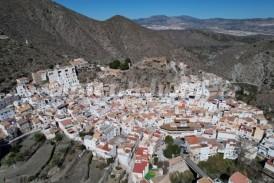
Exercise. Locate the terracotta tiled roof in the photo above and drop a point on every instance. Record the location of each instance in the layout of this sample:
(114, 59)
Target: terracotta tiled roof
(238, 177)
(192, 140)
(66, 122)
(139, 167)
(205, 180)
(141, 151)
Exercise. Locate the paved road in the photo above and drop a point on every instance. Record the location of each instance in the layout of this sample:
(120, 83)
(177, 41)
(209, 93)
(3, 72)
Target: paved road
(24, 135)
(195, 168)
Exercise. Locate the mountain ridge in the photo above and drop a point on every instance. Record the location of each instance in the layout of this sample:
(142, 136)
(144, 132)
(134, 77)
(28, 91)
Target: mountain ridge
(249, 26)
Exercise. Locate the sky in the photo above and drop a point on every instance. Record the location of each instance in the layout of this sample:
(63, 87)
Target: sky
(104, 9)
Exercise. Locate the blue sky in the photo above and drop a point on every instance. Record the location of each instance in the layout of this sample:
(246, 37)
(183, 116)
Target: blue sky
(103, 9)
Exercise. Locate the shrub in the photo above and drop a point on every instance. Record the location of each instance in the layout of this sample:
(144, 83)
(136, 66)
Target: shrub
(127, 60)
(39, 137)
(16, 148)
(82, 134)
(9, 159)
(124, 66)
(169, 140)
(57, 160)
(215, 166)
(181, 177)
(156, 160)
(115, 64)
(172, 150)
(110, 160)
(58, 137)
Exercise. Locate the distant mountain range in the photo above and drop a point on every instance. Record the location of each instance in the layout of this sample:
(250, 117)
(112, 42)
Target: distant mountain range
(229, 26)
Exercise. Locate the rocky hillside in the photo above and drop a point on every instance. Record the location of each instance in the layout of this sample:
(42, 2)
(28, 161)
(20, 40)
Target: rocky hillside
(38, 34)
(46, 24)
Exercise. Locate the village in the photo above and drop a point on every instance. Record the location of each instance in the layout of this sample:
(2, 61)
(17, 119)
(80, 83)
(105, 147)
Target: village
(131, 127)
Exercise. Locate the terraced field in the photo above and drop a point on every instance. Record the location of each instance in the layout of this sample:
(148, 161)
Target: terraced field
(61, 161)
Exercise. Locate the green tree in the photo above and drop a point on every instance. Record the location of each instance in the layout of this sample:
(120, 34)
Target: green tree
(115, 64)
(172, 150)
(128, 61)
(169, 140)
(124, 66)
(110, 160)
(16, 148)
(82, 134)
(58, 137)
(176, 150)
(168, 152)
(39, 137)
(215, 166)
(181, 177)
(57, 160)
(156, 160)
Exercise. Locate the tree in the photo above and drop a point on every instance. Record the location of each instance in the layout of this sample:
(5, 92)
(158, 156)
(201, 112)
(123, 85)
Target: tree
(115, 64)
(39, 137)
(169, 140)
(82, 134)
(16, 148)
(156, 160)
(9, 159)
(172, 150)
(215, 166)
(168, 152)
(176, 150)
(58, 137)
(57, 160)
(127, 60)
(124, 66)
(110, 161)
(181, 177)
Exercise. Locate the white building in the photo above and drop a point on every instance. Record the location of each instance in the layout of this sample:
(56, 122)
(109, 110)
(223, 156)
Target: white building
(69, 129)
(22, 88)
(98, 89)
(223, 136)
(90, 143)
(231, 150)
(65, 76)
(7, 112)
(269, 165)
(266, 147)
(99, 149)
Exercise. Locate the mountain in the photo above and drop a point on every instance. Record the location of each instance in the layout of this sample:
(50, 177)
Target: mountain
(42, 33)
(45, 24)
(228, 26)
(39, 34)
